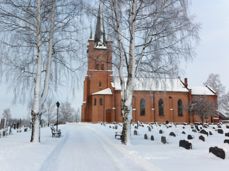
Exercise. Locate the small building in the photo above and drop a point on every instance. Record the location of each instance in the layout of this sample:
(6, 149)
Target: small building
(154, 99)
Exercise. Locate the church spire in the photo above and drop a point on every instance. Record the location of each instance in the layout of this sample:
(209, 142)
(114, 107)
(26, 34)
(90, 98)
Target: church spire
(100, 38)
(90, 32)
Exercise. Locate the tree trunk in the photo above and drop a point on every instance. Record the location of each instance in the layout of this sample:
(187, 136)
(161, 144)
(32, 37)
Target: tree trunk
(50, 54)
(35, 135)
(128, 93)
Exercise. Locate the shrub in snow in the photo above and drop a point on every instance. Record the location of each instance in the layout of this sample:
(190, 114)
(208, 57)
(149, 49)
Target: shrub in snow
(172, 134)
(213, 127)
(183, 132)
(136, 127)
(204, 132)
(201, 137)
(220, 131)
(116, 127)
(160, 131)
(135, 132)
(152, 138)
(149, 129)
(219, 152)
(219, 126)
(226, 141)
(185, 144)
(227, 126)
(190, 137)
(227, 134)
(145, 136)
(183, 127)
(163, 140)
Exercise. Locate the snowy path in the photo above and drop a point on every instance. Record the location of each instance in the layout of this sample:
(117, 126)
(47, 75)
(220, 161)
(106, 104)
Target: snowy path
(84, 148)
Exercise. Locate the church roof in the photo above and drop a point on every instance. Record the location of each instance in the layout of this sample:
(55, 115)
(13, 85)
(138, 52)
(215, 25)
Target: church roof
(154, 84)
(106, 91)
(202, 90)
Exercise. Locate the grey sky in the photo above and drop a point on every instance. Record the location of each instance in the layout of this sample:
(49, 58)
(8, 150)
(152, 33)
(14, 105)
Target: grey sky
(212, 50)
(211, 54)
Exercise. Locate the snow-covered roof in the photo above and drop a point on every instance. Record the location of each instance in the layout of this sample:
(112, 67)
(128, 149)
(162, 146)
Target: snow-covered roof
(153, 84)
(223, 111)
(106, 91)
(201, 90)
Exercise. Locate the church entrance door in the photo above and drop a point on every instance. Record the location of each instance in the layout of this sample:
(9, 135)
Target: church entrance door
(108, 115)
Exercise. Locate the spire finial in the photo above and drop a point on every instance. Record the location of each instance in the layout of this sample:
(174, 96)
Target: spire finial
(90, 32)
(100, 38)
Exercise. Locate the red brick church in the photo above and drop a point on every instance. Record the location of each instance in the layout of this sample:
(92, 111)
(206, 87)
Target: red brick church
(154, 100)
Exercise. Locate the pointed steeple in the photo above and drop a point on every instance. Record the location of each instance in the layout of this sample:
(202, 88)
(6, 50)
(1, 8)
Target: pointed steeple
(100, 39)
(90, 32)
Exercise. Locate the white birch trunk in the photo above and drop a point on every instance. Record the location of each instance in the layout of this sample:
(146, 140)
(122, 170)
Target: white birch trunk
(50, 54)
(128, 92)
(35, 136)
(131, 70)
(121, 69)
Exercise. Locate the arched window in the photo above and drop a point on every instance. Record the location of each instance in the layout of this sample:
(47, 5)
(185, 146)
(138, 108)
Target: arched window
(94, 101)
(161, 107)
(102, 66)
(100, 83)
(97, 66)
(101, 101)
(142, 107)
(180, 107)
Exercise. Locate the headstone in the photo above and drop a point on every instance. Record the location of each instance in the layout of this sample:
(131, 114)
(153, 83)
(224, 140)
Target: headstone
(152, 138)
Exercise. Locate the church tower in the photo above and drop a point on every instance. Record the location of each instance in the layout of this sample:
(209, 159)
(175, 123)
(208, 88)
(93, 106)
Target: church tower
(97, 84)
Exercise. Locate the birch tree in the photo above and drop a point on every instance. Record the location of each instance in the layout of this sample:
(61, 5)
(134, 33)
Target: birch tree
(214, 82)
(32, 32)
(149, 39)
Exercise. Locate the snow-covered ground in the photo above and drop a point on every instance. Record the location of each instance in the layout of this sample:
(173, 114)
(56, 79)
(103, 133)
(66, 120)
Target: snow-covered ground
(86, 147)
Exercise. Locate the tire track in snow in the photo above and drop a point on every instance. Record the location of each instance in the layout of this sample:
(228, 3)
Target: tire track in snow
(135, 162)
(50, 162)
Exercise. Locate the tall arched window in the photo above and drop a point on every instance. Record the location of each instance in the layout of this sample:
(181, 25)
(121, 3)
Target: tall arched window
(95, 101)
(101, 101)
(142, 107)
(161, 107)
(180, 107)
(102, 66)
(97, 66)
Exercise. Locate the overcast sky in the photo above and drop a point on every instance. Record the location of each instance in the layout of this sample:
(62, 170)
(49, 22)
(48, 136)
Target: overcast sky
(213, 49)
(212, 53)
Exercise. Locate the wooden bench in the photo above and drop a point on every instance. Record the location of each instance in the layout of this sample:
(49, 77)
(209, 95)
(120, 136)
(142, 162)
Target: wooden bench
(55, 133)
(118, 135)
